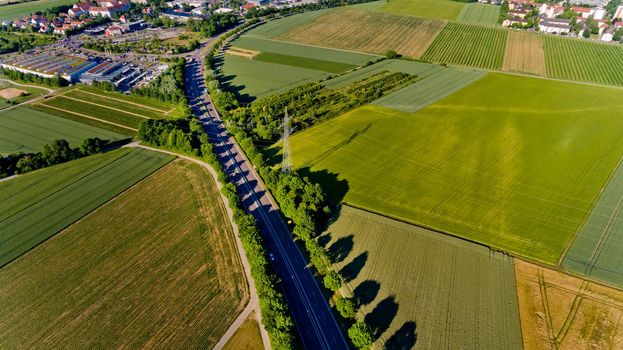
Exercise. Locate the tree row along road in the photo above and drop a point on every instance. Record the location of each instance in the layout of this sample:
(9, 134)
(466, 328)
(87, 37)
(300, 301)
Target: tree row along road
(313, 318)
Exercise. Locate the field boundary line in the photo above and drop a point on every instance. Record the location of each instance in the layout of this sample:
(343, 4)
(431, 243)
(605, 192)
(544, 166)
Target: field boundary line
(253, 302)
(103, 106)
(316, 46)
(120, 100)
(89, 117)
(27, 85)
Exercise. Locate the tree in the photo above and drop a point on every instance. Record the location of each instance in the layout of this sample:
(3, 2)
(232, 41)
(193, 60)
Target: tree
(586, 33)
(91, 146)
(57, 152)
(346, 307)
(391, 54)
(332, 280)
(360, 335)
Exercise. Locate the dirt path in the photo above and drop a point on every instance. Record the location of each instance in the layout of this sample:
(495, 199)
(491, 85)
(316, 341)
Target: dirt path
(26, 85)
(253, 300)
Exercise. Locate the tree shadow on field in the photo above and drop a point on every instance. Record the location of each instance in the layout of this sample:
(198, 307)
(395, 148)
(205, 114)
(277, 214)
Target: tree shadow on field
(381, 317)
(339, 250)
(333, 187)
(351, 270)
(404, 338)
(366, 292)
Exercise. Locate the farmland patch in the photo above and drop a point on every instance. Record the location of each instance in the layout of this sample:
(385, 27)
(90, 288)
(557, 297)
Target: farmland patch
(27, 130)
(524, 53)
(429, 90)
(423, 288)
(478, 13)
(246, 53)
(468, 45)
(564, 312)
(489, 163)
(155, 267)
(37, 205)
(420, 69)
(9, 12)
(446, 9)
(279, 26)
(304, 62)
(583, 60)
(368, 31)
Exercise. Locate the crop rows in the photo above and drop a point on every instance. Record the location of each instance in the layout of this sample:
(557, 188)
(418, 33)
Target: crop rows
(368, 31)
(480, 14)
(38, 205)
(99, 100)
(156, 266)
(584, 60)
(468, 45)
(524, 53)
(466, 299)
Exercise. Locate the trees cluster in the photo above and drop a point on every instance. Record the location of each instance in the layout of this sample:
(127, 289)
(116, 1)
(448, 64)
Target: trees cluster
(169, 86)
(104, 85)
(286, 11)
(214, 24)
(57, 81)
(311, 104)
(56, 152)
(152, 46)
(12, 41)
(301, 200)
(186, 136)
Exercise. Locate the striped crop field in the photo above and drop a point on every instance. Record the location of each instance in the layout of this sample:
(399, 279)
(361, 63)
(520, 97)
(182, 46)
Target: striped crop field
(583, 60)
(445, 9)
(468, 45)
(367, 31)
(155, 267)
(558, 311)
(27, 130)
(597, 250)
(35, 206)
(478, 13)
(452, 293)
(524, 53)
(489, 163)
(430, 90)
(419, 69)
(279, 26)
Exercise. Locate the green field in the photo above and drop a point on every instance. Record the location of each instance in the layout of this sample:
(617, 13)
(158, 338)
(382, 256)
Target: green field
(468, 45)
(429, 90)
(27, 130)
(155, 267)
(597, 250)
(583, 60)
(478, 13)
(149, 103)
(35, 206)
(445, 9)
(279, 26)
(101, 113)
(415, 283)
(489, 163)
(96, 100)
(304, 51)
(281, 66)
(419, 69)
(9, 12)
(304, 62)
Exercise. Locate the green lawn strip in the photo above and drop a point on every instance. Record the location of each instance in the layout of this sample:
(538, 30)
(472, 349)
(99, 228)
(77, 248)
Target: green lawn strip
(597, 250)
(454, 294)
(86, 121)
(98, 112)
(307, 51)
(252, 79)
(420, 69)
(62, 205)
(468, 45)
(430, 90)
(583, 60)
(149, 113)
(478, 13)
(10, 12)
(304, 62)
(27, 130)
(445, 9)
(279, 26)
(488, 163)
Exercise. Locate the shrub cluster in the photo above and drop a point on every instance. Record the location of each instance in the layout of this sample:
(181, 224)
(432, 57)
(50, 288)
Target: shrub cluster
(57, 152)
(186, 136)
(57, 81)
(169, 86)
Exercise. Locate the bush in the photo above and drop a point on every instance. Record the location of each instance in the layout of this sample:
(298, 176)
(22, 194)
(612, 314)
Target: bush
(346, 307)
(360, 335)
(332, 280)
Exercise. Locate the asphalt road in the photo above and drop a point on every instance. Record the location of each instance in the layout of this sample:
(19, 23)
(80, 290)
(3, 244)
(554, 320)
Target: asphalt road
(313, 319)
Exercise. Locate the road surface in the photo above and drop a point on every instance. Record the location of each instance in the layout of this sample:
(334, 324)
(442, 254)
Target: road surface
(314, 321)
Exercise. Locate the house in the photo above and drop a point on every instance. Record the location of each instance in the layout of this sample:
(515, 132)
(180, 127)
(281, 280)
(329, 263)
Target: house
(618, 13)
(599, 13)
(607, 37)
(551, 11)
(518, 13)
(113, 31)
(584, 12)
(618, 25)
(513, 4)
(555, 25)
(517, 21)
(247, 6)
(223, 10)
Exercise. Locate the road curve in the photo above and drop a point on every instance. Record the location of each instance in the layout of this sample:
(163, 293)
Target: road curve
(313, 318)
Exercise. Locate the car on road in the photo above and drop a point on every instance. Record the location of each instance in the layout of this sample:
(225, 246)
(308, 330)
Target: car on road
(271, 257)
